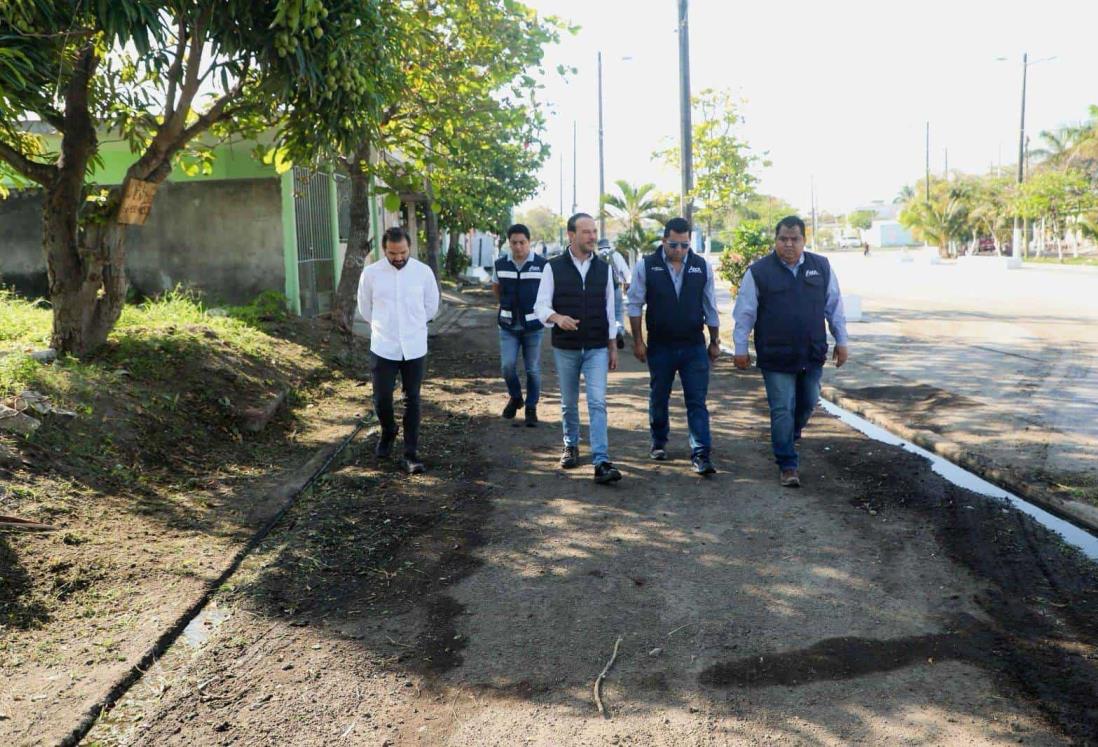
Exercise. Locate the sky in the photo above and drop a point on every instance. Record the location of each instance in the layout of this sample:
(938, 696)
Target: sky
(834, 91)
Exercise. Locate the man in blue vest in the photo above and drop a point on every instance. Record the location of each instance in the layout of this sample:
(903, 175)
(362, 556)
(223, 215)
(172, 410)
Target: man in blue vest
(515, 282)
(785, 297)
(678, 288)
(576, 298)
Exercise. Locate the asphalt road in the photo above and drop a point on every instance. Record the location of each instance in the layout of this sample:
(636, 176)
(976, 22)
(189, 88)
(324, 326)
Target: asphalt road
(1004, 362)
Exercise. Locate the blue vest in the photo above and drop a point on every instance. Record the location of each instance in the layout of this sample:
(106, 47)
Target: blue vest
(671, 319)
(789, 329)
(518, 289)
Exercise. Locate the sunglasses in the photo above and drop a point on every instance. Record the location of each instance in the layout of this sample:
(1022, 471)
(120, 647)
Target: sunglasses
(678, 244)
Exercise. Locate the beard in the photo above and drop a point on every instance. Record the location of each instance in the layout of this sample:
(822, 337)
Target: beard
(398, 263)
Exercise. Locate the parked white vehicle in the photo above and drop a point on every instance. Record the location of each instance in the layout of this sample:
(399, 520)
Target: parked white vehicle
(849, 242)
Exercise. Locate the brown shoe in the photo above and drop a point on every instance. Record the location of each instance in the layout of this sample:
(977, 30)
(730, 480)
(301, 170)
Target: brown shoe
(790, 478)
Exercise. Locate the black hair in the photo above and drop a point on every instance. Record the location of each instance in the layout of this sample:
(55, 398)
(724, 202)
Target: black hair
(790, 221)
(678, 225)
(573, 219)
(518, 228)
(394, 235)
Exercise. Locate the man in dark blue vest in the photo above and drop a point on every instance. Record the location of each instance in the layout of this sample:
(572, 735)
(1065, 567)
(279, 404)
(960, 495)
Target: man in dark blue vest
(785, 297)
(576, 299)
(678, 288)
(515, 281)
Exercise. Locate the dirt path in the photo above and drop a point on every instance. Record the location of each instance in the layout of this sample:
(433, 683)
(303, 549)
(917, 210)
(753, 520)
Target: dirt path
(476, 606)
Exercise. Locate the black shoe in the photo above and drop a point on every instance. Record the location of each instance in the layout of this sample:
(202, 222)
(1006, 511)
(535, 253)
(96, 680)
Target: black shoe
(412, 466)
(385, 444)
(703, 466)
(606, 473)
(531, 417)
(621, 341)
(658, 453)
(512, 407)
(569, 457)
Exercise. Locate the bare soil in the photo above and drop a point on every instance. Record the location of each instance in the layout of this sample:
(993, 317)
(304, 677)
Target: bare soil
(476, 605)
(152, 487)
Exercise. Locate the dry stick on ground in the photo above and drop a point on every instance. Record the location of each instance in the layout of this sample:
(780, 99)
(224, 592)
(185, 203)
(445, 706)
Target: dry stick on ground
(602, 676)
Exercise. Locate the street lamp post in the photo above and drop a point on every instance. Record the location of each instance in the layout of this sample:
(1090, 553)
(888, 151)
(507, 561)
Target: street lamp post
(1018, 236)
(687, 152)
(602, 160)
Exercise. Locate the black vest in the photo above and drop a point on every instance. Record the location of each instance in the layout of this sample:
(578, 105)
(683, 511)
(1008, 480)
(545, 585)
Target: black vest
(580, 299)
(789, 329)
(671, 319)
(518, 289)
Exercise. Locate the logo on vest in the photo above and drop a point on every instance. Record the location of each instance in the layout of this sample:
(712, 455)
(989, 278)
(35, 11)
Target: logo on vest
(810, 273)
(696, 269)
(657, 269)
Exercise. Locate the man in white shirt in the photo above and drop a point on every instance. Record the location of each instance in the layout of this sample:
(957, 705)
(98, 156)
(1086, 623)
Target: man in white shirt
(620, 269)
(397, 296)
(576, 299)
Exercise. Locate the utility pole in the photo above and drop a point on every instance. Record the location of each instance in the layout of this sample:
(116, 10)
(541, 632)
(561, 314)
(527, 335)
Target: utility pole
(1016, 248)
(687, 146)
(814, 227)
(560, 232)
(575, 205)
(602, 162)
(946, 174)
(928, 162)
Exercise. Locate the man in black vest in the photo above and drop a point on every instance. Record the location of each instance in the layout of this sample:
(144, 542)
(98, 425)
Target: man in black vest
(678, 288)
(785, 297)
(576, 299)
(515, 282)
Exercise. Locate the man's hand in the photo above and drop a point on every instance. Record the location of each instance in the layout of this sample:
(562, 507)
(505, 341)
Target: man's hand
(841, 354)
(741, 361)
(566, 323)
(640, 351)
(714, 351)
(613, 356)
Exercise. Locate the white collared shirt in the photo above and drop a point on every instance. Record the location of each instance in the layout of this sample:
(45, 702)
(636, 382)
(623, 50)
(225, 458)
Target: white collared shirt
(543, 306)
(398, 304)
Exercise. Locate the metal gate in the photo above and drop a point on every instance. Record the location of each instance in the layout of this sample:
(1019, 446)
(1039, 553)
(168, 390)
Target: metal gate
(315, 243)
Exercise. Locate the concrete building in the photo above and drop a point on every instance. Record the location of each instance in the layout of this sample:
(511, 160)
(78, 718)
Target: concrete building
(232, 233)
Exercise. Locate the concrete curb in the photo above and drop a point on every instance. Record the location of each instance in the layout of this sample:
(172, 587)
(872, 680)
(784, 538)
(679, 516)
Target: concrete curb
(288, 492)
(1082, 514)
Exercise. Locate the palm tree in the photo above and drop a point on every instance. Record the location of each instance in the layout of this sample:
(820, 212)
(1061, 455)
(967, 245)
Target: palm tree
(942, 220)
(905, 195)
(638, 209)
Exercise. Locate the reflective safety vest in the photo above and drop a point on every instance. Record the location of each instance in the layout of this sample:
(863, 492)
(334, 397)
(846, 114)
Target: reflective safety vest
(518, 289)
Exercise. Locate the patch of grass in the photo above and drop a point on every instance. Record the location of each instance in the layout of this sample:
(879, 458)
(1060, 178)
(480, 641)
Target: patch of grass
(23, 323)
(268, 306)
(1046, 260)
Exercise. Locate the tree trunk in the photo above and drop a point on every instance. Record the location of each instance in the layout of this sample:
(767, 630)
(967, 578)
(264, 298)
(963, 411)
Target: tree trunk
(431, 221)
(454, 265)
(359, 244)
(87, 281)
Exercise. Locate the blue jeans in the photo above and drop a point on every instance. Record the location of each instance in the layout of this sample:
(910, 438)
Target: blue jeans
(691, 363)
(592, 364)
(792, 398)
(510, 341)
(619, 310)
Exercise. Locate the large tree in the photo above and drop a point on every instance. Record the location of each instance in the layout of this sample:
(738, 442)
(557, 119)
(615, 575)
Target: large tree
(162, 74)
(723, 162)
(463, 135)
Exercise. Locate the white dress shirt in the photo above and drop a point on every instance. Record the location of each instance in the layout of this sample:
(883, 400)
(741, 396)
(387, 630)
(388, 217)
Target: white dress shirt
(543, 306)
(398, 304)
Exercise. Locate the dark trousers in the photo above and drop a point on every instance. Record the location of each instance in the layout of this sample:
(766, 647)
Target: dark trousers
(691, 363)
(411, 379)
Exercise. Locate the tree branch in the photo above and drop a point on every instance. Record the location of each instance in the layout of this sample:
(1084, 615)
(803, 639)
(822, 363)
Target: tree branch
(33, 170)
(175, 70)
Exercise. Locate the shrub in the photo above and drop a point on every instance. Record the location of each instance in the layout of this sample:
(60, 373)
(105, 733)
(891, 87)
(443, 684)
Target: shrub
(750, 240)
